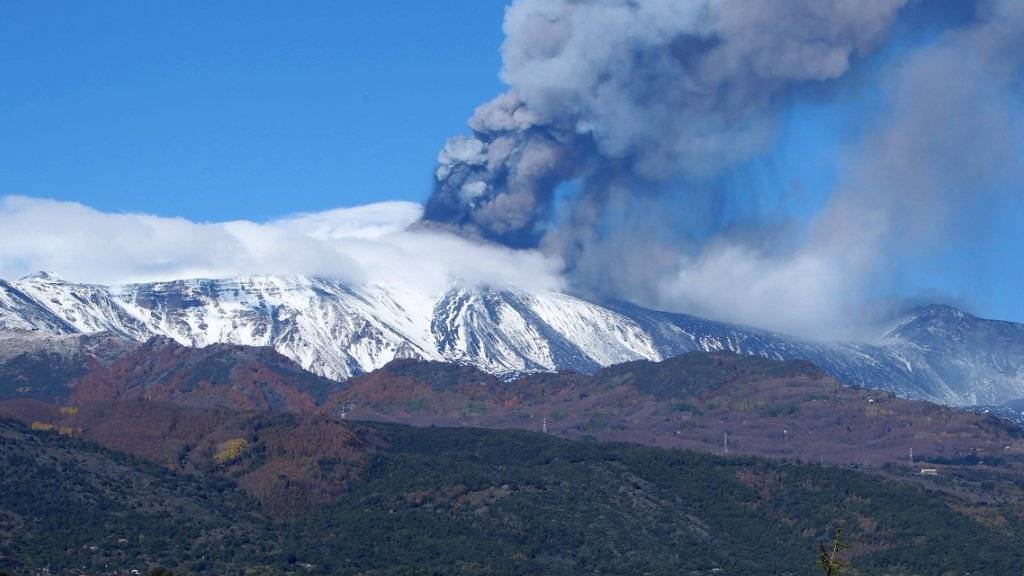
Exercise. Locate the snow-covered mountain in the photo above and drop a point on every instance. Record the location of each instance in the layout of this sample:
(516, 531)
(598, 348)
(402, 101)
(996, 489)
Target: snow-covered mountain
(339, 330)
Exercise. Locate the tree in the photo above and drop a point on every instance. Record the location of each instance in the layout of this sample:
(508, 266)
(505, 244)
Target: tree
(158, 571)
(828, 558)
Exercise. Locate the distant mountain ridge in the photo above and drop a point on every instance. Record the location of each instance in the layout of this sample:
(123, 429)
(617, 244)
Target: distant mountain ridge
(705, 401)
(40, 365)
(240, 377)
(324, 488)
(766, 407)
(339, 330)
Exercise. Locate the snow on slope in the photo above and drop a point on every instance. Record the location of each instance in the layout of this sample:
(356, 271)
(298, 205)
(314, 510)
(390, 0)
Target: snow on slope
(508, 332)
(339, 330)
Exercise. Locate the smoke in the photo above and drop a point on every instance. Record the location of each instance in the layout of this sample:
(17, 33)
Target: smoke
(643, 90)
(499, 184)
(622, 115)
(935, 168)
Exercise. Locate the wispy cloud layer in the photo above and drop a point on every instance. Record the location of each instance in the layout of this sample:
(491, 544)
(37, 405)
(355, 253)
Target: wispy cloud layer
(361, 244)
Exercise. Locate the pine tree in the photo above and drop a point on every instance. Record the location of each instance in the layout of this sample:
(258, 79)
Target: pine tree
(828, 558)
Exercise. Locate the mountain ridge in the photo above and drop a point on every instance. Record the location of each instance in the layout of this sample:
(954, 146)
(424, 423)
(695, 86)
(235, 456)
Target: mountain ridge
(339, 330)
(766, 408)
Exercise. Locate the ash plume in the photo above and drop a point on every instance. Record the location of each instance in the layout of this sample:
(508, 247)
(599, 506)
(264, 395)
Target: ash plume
(931, 173)
(647, 90)
(622, 114)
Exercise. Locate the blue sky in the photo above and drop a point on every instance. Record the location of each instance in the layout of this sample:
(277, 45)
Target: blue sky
(224, 110)
(219, 111)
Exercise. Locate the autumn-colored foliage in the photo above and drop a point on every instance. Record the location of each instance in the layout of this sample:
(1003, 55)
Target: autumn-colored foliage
(230, 450)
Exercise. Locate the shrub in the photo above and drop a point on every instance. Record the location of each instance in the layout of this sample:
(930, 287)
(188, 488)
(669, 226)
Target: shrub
(231, 450)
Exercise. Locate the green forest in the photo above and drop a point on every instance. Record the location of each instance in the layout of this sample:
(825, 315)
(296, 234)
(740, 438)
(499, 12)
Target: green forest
(470, 501)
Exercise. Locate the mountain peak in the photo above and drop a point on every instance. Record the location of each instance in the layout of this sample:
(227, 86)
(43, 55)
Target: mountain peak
(939, 311)
(928, 318)
(44, 275)
(927, 314)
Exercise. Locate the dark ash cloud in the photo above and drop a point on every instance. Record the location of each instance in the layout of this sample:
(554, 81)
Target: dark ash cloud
(640, 104)
(647, 90)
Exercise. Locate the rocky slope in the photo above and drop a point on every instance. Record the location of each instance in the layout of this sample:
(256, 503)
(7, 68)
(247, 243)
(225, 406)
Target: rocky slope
(338, 330)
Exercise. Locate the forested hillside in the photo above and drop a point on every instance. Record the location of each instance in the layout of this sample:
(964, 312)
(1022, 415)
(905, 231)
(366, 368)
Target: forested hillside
(471, 501)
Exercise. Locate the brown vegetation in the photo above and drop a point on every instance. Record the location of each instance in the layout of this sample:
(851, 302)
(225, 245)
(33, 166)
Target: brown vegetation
(251, 414)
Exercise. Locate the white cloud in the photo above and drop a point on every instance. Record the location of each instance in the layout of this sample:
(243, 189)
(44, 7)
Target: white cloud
(361, 244)
(812, 292)
(368, 221)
